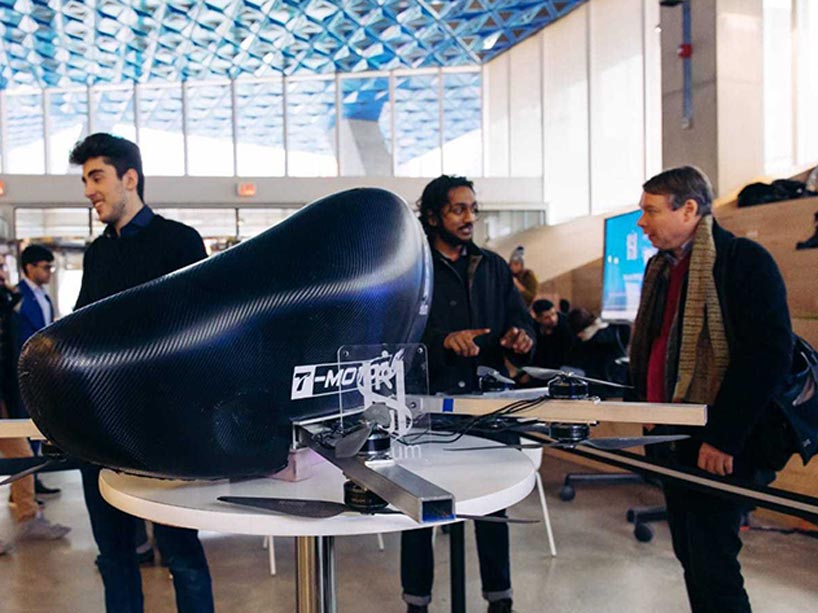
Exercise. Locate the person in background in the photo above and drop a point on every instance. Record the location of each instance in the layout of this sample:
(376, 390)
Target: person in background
(554, 336)
(36, 311)
(524, 279)
(30, 522)
(812, 241)
(598, 350)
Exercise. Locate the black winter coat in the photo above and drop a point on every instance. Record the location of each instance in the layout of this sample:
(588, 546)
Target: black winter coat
(754, 308)
(491, 301)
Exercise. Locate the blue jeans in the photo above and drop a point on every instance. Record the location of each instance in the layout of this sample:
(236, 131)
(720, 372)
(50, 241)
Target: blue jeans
(417, 564)
(114, 533)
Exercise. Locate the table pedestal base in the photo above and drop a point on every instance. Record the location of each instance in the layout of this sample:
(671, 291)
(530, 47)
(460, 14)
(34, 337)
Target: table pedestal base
(315, 574)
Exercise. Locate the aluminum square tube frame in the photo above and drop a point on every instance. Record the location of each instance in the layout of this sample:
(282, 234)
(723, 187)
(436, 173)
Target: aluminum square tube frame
(413, 495)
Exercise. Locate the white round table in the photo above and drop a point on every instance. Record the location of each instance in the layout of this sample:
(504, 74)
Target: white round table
(482, 482)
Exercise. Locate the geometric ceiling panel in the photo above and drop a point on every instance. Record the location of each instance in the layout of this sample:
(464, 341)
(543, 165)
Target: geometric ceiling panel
(60, 43)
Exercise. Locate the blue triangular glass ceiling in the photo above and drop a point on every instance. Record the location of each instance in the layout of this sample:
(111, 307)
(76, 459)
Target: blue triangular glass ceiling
(60, 43)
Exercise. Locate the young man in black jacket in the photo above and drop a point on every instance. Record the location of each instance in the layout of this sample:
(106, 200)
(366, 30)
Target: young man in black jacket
(712, 328)
(477, 318)
(137, 246)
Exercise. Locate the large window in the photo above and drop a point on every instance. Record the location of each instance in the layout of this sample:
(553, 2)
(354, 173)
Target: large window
(311, 128)
(778, 90)
(417, 126)
(113, 111)
(24, 134)
(67, 123)
(260, 123)
(364, 139)
(405, 122)
(209, 130)
(256, 221)
(462, 134)
(211, 223)
(57, 222)
(160, 130)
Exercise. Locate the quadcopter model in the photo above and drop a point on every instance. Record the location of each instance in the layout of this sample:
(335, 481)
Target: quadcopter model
(220, 370)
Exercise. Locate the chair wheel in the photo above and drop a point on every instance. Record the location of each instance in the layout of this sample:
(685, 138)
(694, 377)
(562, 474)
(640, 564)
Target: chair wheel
(567, 493)
(643, 533)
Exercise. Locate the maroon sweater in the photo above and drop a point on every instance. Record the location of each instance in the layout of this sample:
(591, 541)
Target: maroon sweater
(658, 352)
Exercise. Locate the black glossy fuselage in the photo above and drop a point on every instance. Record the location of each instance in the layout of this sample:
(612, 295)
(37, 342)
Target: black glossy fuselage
(190, 375)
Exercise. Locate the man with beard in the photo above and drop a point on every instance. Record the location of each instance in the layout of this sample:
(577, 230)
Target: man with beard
(477, 318)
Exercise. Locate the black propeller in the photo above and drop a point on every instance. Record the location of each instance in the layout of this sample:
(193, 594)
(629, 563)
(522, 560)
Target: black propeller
(352, 442)
(549, 373)
(28, 471)
(52, 456)
(604, 443)
(322, 509)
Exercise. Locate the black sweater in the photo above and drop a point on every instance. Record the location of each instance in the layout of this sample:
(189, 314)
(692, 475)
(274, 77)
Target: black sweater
(113, 264)
(488, 300)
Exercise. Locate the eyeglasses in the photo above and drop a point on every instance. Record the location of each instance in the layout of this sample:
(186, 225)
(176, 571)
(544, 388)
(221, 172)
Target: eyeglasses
(46, 266)
(458, 210)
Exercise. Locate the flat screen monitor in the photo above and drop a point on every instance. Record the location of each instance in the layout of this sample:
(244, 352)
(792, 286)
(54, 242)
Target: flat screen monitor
(627, 251)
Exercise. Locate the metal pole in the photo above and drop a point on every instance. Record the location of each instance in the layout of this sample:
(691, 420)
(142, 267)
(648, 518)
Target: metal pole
(327, 546)
(46, 99)
(4, 148)
(136, 104)
(307, 596)
(234, 124)
(441, 141)
(185, 144)
(338, 114)
(392, 123)
(284, 125)
(457, 557)
(315, 574)
(687, 68)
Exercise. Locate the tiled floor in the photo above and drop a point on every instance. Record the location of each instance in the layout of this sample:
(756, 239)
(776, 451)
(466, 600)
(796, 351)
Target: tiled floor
(600, 567)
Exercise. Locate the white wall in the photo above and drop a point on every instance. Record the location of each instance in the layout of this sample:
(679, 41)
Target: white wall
(566, 172)
(582, 108)
(525, 108)
(496, 117)
(806, 133)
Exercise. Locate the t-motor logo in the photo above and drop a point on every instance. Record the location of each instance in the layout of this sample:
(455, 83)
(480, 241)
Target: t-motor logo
(314, 380)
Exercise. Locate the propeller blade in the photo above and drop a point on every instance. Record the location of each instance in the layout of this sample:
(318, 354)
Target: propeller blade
(602, 382)
(503, 446)
(378, 412)
(614, 443)
(28, 471)
(550, 373)
(485, 371)
(542, 373)
(350, 444)
(314, 509)
(498, 520)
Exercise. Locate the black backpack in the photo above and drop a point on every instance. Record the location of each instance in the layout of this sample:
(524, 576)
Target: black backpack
(789, 425)
(778, 190)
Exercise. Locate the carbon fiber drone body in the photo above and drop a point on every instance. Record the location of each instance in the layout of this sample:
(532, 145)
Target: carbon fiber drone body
(190, 375)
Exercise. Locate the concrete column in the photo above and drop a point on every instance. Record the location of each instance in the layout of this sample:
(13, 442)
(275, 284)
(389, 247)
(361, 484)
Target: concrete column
(726, 137)
(363, 149)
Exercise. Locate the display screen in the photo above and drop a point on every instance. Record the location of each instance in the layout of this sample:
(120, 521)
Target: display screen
(627, 251)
